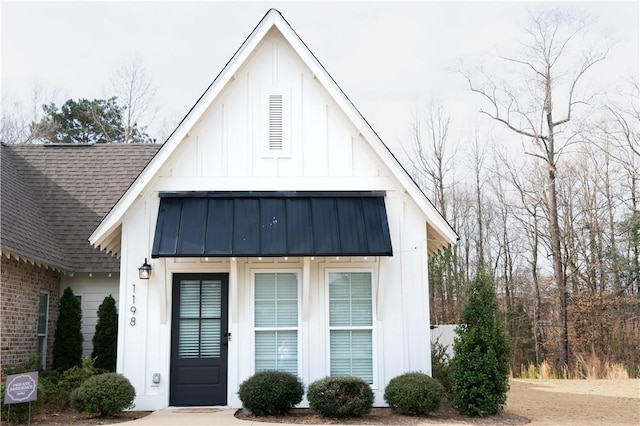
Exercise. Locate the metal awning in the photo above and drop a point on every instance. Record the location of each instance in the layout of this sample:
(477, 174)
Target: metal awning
(248, 224)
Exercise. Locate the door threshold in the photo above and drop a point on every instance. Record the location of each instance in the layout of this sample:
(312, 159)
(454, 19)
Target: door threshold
(183, 410)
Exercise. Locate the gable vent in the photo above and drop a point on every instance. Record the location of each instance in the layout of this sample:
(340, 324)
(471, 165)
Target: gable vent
(276, 131)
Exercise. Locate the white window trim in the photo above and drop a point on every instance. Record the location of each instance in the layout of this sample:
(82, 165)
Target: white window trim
(43, 358)
(298, 273)
(285, 152)
(373, 327)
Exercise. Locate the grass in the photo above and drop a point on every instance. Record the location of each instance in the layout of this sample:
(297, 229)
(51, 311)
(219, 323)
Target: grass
(582, 368)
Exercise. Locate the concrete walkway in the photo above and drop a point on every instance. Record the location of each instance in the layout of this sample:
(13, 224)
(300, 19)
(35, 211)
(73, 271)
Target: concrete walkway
(194, 417)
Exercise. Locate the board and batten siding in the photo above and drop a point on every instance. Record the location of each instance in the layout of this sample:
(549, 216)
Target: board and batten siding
(230, 142)
(227, 150)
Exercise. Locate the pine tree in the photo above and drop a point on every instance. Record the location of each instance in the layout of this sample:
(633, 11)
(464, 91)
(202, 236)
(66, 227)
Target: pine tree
(67, 346)
(87, 121)
(481, 353)
(106, 335)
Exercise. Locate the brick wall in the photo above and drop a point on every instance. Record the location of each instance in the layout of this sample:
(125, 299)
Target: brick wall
(20, 288)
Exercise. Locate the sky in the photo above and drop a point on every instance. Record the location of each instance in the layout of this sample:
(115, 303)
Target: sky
(390, 58)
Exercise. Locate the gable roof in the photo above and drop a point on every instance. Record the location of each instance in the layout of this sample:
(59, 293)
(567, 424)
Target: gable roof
(53, 196)
(440, 233)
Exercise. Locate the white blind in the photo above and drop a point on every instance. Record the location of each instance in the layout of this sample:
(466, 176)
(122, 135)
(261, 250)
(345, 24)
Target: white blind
(276, 300)
(200, 319)
(351, 354)
(277, 350)
(351, 325)
(350, 299)
(276, 322)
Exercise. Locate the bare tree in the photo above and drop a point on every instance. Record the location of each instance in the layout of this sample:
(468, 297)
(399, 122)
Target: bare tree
(626, 116)
(432, 157)
(526, 106)
(17, 116)
(14, 127)
(136, 93)
(432, 162)
(477, 159)
(617, 137)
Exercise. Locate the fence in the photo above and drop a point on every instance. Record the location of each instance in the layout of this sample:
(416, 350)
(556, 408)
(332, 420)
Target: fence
(444, 334)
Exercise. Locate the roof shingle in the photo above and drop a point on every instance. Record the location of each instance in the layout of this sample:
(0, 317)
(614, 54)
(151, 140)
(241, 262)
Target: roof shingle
(54, 196)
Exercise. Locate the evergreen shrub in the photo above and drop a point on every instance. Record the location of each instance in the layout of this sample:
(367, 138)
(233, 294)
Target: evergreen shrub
(413, 393)
(340, 397)
(107, 394)
(62, 384)
(480, 378)
(441, 366)
(67, 344)
(271, 393)
(106, 335)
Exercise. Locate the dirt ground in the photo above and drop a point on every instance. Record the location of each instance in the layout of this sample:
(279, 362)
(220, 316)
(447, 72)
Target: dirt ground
(534, 402)
(576, 402)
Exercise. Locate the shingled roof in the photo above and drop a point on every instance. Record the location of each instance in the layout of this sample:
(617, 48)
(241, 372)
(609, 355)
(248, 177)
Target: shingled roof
(53, 197)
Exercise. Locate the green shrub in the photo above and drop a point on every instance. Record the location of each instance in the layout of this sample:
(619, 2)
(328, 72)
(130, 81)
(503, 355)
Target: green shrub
(67, 343)
(106, 335)
(441, 367)
(75, 376)
(62, 384)
(413, 393)
(49, 381)
(107, 394)
(271, 392)
(30, 364)
(340, 397)
(480, 378)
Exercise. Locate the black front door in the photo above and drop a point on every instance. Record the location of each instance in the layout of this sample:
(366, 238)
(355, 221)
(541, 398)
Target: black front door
(199, 340)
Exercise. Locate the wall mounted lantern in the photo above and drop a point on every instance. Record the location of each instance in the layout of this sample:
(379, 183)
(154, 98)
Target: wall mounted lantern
(145, 270)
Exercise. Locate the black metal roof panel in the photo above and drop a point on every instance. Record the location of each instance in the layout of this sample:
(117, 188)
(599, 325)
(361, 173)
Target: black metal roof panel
(247, 224)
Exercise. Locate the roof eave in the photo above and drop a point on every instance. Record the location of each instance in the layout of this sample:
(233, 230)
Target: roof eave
(11, 254)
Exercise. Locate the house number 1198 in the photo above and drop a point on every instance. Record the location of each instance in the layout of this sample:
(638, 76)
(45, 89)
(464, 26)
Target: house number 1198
(132, 321)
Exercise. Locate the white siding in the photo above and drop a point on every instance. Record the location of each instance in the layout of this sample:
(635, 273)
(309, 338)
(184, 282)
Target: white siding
(223, 152)
(92, 288)
(231, 140)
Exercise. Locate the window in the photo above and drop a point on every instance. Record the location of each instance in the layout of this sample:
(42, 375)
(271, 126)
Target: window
(351, 324)
(43, 316)
(277, 123)
(200, 318)
(276, 322)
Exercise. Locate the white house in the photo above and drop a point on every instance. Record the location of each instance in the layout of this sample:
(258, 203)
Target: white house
(281, 234)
